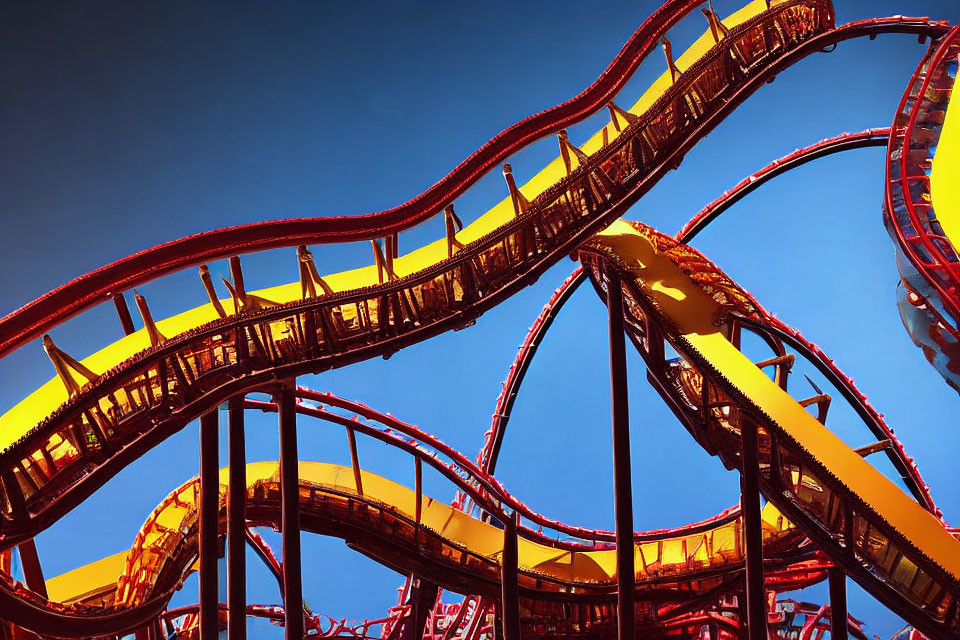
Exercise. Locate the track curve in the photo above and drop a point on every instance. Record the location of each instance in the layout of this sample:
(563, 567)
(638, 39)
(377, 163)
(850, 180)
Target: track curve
(890, 545)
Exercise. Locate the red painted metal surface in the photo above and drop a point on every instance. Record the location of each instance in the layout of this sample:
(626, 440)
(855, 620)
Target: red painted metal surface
(236, 522)
(622, 474)
(209, 519)
(936, 618)
(928, 251)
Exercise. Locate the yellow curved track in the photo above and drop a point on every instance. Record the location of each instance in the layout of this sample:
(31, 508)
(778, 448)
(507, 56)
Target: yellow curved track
(945, 179)
(692, 312)
(38, 405)
(126, 579)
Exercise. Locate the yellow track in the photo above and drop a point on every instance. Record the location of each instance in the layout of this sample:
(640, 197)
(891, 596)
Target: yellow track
(129, 574)
(692, 312)
(945, 179)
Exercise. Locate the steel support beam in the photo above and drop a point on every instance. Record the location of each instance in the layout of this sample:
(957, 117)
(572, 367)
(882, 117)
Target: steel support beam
(622, 481)
(209, 517)
(237, 525)
(290, 514)
(423, 597)
(32, 571)
(752, 532)
(838, 604)
(123, 312)
(509, 576)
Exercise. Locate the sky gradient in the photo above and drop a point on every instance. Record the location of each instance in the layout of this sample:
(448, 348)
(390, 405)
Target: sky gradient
(125, 125)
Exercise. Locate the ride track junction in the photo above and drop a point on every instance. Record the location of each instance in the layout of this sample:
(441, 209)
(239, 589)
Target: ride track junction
(812, 509)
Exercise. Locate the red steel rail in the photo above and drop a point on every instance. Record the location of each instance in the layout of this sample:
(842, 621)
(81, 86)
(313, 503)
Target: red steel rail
(904, 464)
(907, 181)
(876, 137)
(797, 158)
(264, 510)
(41, 315)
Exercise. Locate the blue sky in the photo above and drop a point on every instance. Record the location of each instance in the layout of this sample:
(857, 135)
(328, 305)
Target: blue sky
(124, 126)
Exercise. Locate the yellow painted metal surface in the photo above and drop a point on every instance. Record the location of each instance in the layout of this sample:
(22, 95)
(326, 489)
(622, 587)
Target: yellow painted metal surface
(91, 579)
(674, 556)
(945, 178)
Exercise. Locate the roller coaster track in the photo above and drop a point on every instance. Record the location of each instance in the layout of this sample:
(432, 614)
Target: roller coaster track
(869, 138)
(931, 274)
(849, 510)
(137, 404)
(684, 562)
(41, 315)
(915, 131)
(838, 144)
(910, 474)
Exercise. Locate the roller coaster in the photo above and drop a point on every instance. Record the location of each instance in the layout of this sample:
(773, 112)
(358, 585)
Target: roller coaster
(487, 565)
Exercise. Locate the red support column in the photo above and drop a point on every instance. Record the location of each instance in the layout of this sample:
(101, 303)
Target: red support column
(209, 516)
(290, 514)
(509, 576)
(123, 312)
(32, 571)
(752, 532)
(622, 481)
(236, 525)
(838, 604)
(423, 597)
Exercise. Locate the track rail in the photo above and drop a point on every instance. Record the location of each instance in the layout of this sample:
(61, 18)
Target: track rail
(875, 137)
(493, 438)
(907, 206)
(43, 314)
(164, 553)
(827, 147)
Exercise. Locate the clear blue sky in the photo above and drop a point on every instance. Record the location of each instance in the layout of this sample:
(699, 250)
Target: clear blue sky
(125, 125)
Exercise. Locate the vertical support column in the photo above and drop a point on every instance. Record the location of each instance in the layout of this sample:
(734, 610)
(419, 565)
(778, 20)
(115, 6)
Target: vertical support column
(290, 513)
(752, 532)
(32, 571)
(622, 482)
(838, 604)
(209, 516)
(423, 598)
(509, 576)
(237, 525)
